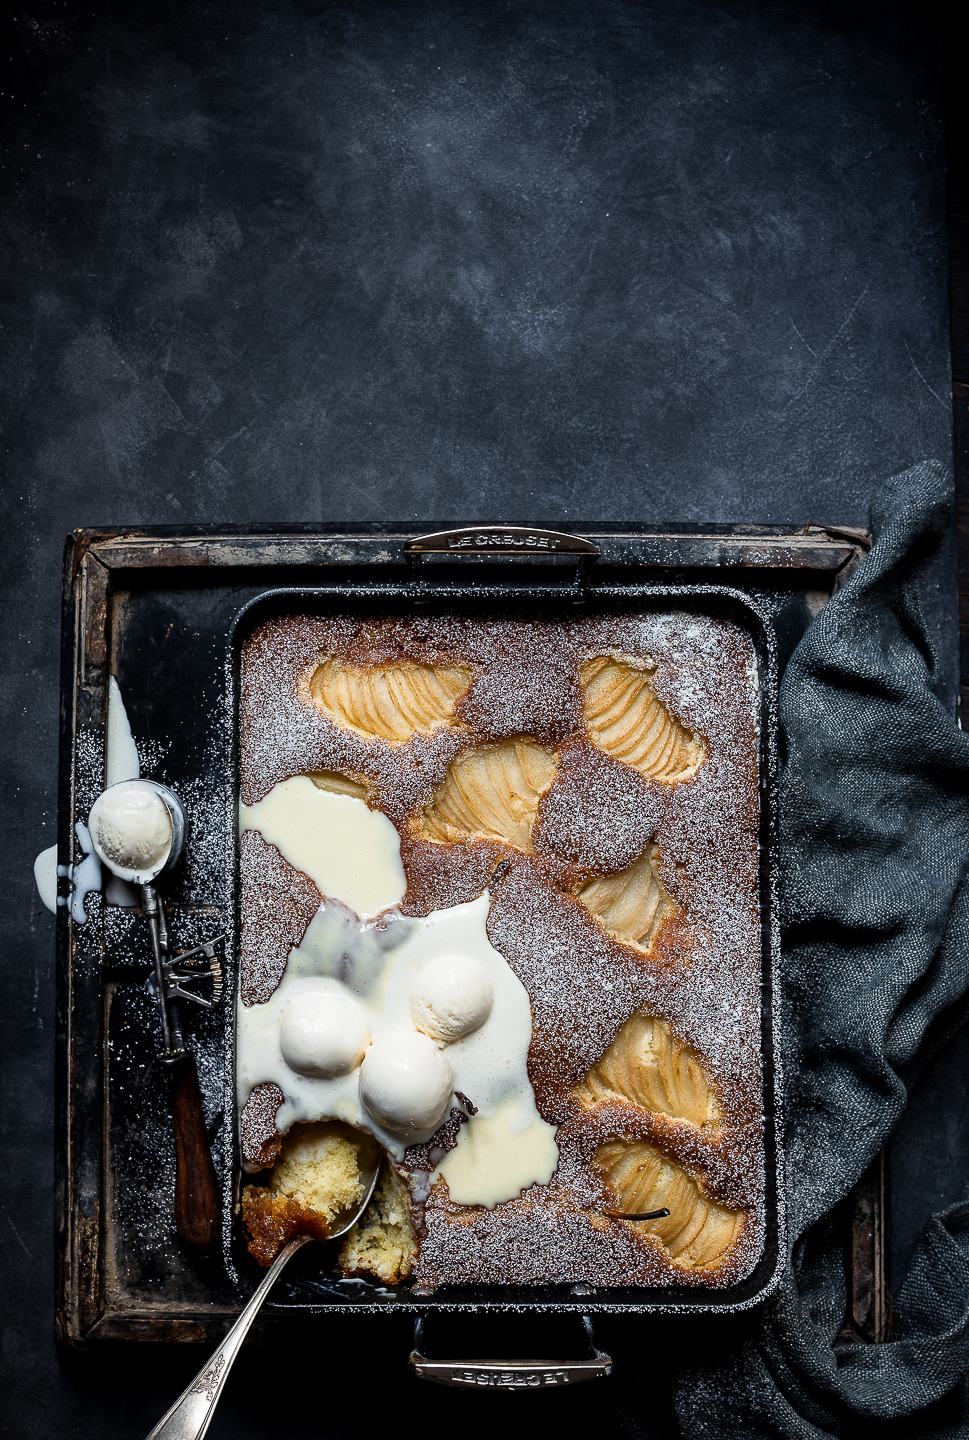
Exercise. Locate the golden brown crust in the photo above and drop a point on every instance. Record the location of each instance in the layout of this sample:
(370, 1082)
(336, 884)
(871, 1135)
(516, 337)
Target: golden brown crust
(272, 1221)
(316, 1179)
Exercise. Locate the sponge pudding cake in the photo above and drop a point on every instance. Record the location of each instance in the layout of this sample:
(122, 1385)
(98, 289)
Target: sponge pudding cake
(560, 819)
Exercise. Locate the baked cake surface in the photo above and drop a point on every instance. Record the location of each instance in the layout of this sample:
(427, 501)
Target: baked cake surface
(599, 779)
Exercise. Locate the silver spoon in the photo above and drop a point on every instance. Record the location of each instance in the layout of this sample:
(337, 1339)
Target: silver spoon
(189, 1417)
(138, 830)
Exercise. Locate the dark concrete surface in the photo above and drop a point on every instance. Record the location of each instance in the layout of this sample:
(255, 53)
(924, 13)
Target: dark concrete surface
(531, 261)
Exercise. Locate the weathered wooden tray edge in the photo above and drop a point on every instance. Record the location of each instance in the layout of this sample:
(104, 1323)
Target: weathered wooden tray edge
(93, 559)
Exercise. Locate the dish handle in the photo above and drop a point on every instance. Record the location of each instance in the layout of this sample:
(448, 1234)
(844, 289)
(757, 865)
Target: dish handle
(509, 1374)
(503, 539)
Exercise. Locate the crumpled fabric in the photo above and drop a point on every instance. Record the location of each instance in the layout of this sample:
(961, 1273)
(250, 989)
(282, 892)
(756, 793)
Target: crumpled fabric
(874, 821)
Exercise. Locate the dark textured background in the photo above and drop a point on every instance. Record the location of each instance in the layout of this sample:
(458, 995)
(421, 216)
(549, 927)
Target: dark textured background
(543, 261)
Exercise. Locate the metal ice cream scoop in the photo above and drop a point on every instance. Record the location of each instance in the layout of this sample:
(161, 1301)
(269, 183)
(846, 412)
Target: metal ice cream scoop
(138, 830)
(189, 1417)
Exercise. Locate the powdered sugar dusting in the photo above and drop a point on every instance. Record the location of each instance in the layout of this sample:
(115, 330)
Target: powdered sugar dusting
(258, 1136)
(277, 903)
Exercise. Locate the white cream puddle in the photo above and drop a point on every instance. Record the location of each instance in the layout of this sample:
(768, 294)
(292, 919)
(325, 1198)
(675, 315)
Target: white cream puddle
(86, 876)
(350, 852)
(507, 1145)
(121, 753)
(500, 1154)
(120, 763)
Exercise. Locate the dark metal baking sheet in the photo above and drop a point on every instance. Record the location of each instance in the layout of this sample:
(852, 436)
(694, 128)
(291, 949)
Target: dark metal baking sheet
(154, 608)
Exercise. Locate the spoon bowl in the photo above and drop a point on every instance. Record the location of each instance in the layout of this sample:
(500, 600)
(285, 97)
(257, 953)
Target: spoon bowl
(370, 1157)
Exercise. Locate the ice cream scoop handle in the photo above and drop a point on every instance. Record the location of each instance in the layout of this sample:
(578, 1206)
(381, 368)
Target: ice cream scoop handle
(155, 917)
(196, 1189)
(189, 1417)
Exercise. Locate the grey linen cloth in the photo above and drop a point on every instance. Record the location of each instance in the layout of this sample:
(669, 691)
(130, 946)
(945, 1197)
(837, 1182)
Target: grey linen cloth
(875, 930)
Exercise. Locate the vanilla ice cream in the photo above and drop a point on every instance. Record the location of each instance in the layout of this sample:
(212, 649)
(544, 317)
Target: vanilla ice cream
(323, 1034)
(406, 1083)
(451, 997)
(402, 1091)
(131, 828)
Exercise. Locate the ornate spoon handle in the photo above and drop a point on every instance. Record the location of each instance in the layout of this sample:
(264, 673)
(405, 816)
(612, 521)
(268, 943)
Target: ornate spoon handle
(189, 1417)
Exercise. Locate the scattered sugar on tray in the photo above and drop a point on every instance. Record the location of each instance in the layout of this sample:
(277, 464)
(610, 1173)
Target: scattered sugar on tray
(89, 767)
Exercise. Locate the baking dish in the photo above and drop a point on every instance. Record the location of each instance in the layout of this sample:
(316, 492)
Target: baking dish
(568, 586)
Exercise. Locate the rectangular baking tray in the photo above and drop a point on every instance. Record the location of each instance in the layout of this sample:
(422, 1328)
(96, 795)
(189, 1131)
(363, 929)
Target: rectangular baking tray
(155, 609)
(306, 1286)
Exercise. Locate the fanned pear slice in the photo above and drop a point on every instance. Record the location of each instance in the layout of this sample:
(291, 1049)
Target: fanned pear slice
(646, 1065)
(491, 793)
(624, 718)
(697, 1232)
(631, 904)
(339, 784)
(389, 702)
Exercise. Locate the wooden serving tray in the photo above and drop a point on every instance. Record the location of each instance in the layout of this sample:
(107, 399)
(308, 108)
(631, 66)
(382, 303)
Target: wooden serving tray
(153, 608)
